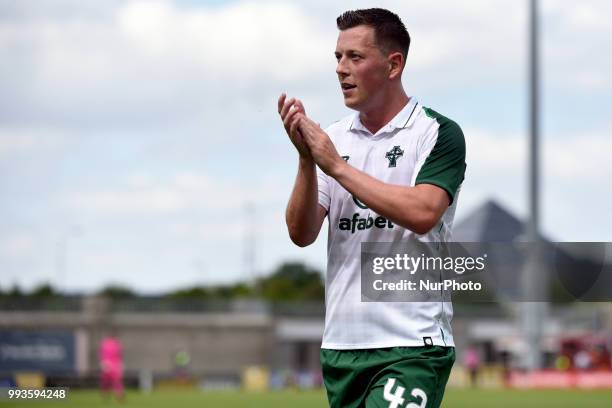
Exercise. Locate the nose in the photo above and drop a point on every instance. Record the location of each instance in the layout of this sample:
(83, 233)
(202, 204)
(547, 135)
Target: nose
(341, 68)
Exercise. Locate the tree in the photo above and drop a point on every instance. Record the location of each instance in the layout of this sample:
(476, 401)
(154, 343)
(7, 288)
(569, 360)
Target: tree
(293, 281)
(117, 292)
(44, 291)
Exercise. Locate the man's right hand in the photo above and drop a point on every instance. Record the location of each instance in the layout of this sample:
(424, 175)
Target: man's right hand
(290, 111)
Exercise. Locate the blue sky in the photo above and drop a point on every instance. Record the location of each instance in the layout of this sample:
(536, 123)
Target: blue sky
(134, 133)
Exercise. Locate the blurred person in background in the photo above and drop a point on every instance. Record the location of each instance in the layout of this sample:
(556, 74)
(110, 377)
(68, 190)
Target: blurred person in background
(601, 357)
(111, 366)
(582, 360)
(471, 360)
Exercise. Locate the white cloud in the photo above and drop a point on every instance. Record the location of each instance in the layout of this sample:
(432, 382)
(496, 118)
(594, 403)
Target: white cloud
(142, 194)
(155, 61)
(588, 15)
(15, 140)
(499, 153)
(565, 159)
(573, 173)
(156, 200)
(573, 35)
(240, 42)
(156, 39)
(584, 159)
(18, 245)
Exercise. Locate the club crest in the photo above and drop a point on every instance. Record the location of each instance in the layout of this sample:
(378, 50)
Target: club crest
(393, 155)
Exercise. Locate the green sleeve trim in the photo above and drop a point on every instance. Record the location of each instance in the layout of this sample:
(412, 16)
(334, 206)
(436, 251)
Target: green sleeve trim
(445, 165)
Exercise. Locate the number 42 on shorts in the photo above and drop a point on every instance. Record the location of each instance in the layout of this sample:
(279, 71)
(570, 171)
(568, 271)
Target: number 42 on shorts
(396, 398)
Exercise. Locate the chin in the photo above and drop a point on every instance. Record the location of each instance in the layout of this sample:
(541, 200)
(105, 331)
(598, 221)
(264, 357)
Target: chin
(348, 104)
(351, 103)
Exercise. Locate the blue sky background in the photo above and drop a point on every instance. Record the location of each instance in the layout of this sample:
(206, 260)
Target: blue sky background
(134, 133)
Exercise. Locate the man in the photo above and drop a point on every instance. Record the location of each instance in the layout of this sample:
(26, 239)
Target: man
(111, 365)
(400, 165)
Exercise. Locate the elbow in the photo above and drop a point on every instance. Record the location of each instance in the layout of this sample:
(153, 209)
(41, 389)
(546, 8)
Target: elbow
(299, 239)
(298, 235)
(422, 229)
(425, 223)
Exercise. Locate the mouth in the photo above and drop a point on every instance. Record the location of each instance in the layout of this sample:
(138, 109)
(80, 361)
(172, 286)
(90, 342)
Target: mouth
(346, 86)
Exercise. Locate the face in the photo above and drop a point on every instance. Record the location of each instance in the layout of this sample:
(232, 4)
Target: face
(362, 68)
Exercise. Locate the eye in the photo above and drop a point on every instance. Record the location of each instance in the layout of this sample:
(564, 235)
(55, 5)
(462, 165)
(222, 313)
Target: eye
(355, 57)
(337, 56)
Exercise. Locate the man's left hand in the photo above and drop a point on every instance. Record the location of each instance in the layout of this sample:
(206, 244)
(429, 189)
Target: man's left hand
(321, 147)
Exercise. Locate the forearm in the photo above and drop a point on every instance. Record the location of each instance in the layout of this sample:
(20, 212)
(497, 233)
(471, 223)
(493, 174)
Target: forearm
(302, 209)
(409, 207)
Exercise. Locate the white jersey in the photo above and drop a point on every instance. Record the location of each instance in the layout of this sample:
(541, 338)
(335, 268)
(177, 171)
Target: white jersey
(417, 146)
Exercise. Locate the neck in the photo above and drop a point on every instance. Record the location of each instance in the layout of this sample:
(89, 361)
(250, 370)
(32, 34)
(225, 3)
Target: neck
(389, 105)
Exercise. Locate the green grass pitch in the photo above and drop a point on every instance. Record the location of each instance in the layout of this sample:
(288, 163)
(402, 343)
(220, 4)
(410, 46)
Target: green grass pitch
(314, 399)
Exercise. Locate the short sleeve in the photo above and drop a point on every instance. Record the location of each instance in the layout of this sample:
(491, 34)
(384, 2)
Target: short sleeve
(442, 156)
(324, 193)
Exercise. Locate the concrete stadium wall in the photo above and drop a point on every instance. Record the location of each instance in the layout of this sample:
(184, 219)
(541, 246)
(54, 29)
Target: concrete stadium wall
(218, 343)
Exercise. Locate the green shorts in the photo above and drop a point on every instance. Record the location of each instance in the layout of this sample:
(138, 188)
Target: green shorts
(397, 377)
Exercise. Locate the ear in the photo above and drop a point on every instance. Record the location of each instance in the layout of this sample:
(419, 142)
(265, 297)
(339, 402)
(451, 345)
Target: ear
(396, 65)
